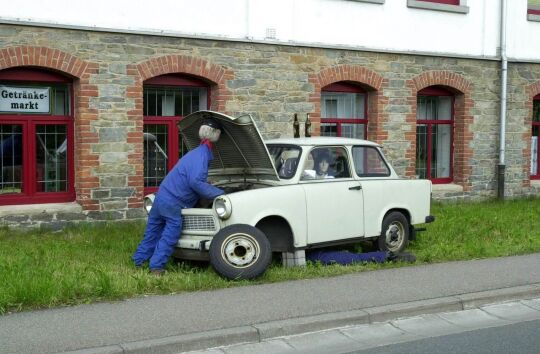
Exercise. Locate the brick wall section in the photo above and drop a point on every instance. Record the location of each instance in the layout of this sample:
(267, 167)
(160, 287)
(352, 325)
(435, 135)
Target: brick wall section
(463, 121)
(217, 75)
(81, 70)
(368, 79)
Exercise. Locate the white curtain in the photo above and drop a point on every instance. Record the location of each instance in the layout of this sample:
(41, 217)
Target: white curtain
(342, 105)
(534, 155)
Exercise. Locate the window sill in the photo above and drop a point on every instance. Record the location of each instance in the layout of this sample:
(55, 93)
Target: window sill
(445, 188)
(33, 209)
(535, 183)
(533, 17)
(370, 1)
(415, 4)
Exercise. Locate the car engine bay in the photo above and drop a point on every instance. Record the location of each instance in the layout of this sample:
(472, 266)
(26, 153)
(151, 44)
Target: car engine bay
(229, 188)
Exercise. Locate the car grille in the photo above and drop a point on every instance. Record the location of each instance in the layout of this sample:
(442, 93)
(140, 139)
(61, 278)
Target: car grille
(199, 223)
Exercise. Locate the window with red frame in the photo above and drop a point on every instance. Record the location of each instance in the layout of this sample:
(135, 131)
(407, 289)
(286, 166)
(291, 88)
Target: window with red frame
(36, 137)
(535, 139)
(344, 110)
(434, 127)
(533, 7)
(167, 99)
(449, 2)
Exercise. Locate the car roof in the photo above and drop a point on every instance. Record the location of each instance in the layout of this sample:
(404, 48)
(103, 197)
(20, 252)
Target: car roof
(321, 140)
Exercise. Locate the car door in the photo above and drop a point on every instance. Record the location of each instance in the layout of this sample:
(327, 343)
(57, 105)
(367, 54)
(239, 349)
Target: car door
(334, 200)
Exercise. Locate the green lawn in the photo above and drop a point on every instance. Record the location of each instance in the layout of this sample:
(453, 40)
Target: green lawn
(92, 263)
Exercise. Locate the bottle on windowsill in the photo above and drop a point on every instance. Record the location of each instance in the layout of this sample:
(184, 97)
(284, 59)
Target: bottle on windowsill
(307, 127)
(296, 126)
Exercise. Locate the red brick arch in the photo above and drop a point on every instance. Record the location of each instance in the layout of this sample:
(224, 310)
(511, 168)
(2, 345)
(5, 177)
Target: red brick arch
(443, 78)
(43, 57)
(532, 91)
(462, 121)
(80, 70)
(168, 64)
(354, 73)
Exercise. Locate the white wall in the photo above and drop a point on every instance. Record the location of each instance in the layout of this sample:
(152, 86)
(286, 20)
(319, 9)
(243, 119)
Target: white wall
(392, 26)
(195, 17)
(523, 37)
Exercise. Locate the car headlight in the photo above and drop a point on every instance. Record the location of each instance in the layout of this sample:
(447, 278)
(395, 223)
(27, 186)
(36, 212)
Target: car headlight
(148, 202)
(223, 207)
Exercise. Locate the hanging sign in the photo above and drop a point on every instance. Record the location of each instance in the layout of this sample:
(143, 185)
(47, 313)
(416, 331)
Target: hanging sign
(24, 99)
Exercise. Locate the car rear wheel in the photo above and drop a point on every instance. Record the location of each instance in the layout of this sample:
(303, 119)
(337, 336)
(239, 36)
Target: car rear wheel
(240, 252)
(395, 233)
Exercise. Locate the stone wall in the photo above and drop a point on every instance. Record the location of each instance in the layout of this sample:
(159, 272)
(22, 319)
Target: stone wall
(57, 216)
(272, 82)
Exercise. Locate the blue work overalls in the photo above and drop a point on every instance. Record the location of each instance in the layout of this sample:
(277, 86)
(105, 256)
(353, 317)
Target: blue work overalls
(344, 257)
(181, 188)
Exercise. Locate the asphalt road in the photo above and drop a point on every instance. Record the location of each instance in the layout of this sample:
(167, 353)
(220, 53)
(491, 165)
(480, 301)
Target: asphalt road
(252, 312)
(523, 338)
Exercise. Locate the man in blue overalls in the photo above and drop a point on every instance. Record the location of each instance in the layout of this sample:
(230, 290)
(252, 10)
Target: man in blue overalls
(181, 188)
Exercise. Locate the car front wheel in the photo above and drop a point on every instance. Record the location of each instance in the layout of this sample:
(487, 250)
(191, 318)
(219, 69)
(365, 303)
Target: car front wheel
(240, 252)
(395, 233)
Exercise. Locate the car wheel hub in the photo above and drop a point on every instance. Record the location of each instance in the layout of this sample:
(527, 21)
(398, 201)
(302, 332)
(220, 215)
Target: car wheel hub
(240, 250)
(394, 236)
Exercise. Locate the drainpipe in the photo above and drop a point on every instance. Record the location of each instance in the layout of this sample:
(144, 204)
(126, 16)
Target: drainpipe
(502, 134)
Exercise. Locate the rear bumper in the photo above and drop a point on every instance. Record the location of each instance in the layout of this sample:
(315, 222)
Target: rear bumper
(414, 230)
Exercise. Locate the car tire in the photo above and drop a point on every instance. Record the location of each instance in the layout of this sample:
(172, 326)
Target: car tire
(394, 233)
(240, 252)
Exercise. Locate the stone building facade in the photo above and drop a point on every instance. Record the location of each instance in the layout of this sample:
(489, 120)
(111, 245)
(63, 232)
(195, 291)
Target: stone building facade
(271, 82)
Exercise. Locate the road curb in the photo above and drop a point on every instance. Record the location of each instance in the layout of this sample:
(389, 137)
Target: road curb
(474, 300)
(264, 331)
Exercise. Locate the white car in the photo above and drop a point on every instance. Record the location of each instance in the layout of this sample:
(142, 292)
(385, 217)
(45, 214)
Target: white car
(278, 200)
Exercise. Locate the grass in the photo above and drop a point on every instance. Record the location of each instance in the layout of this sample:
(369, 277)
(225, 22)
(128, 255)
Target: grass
(90, 263)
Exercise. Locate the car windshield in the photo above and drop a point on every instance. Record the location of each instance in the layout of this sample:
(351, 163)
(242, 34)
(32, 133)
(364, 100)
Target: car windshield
(285, 159)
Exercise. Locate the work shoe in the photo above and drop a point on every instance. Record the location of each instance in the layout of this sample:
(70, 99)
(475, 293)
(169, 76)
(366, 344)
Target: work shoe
(157, 272)
(400, 257)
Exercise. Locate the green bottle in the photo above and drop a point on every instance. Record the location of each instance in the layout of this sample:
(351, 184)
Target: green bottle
(307, 127)
(296, 126)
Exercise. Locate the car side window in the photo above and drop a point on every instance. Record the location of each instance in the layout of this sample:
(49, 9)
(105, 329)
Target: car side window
(368, 162)
(326, 163)
(285, 159)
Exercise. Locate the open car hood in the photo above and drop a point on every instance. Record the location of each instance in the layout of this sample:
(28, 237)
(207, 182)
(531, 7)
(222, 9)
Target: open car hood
(240, 151)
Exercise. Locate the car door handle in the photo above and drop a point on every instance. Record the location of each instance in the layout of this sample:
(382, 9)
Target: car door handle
(355, 188)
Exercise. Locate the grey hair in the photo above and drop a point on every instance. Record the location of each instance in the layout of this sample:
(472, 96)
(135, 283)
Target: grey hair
(207, 132)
